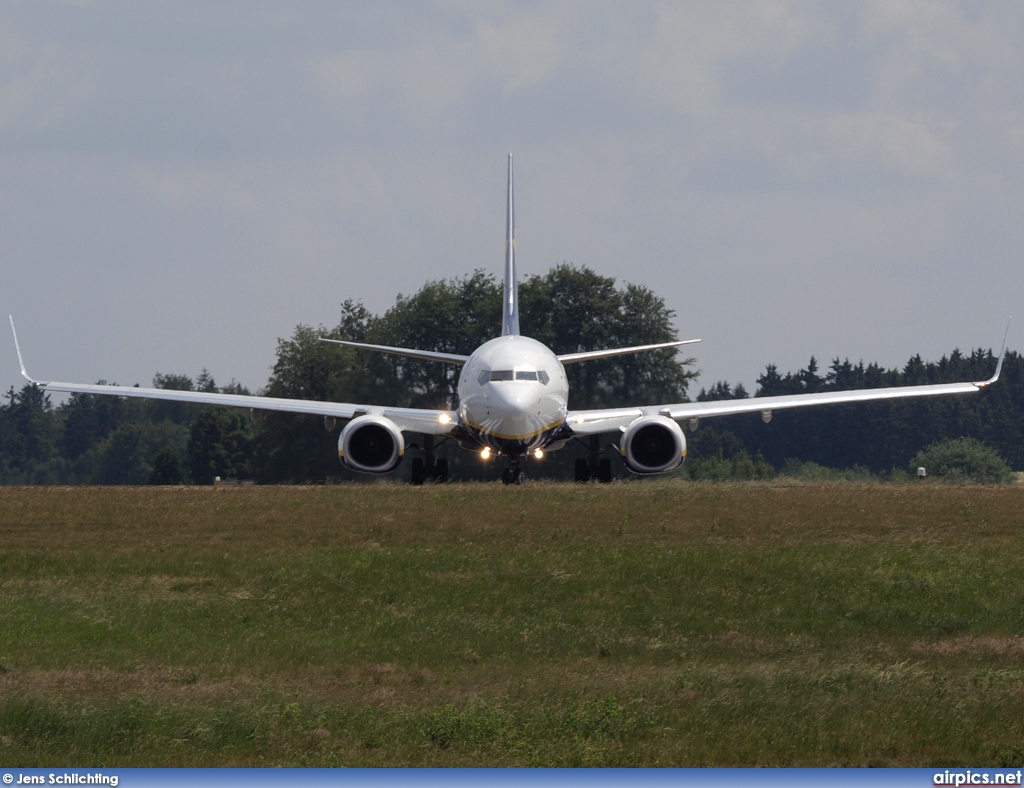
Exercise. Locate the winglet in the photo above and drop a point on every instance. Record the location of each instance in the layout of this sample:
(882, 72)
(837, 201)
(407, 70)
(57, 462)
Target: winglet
(21, 361)
(999, 364)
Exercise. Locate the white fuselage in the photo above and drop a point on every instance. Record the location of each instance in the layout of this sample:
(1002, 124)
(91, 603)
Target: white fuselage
(512, 395)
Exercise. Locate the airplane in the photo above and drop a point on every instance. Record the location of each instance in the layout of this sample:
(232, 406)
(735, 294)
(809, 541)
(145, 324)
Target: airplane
(513, 403)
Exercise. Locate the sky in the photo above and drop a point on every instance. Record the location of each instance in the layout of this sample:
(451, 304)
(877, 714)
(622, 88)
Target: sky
(182, 183)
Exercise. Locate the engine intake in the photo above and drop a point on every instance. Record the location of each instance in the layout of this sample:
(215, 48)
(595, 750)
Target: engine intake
(653, 444)
(371, 444)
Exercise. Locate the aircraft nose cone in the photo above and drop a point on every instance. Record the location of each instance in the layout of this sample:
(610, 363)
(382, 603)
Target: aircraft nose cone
(514, 412)
(512, 398)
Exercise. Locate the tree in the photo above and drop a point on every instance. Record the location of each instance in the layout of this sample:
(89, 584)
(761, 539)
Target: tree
(167, 469)
(166, 410)
(29, 431)
(292, 448)
(128, 455)
(205, 382)
(569, 309)
(574, 309)
(881, 436)
(963, 460)
(722, 391)
(219, 444)
(449, 316)
(88, 419)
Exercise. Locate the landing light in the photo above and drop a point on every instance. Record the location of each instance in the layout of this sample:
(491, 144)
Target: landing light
(485, 454)
(444, 418)
(539, 454)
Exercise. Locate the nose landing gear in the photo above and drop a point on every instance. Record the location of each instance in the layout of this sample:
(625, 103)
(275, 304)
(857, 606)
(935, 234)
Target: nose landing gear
(513, 474)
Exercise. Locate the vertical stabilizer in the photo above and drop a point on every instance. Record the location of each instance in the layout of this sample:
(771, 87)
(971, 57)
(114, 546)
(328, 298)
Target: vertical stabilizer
(510, 308)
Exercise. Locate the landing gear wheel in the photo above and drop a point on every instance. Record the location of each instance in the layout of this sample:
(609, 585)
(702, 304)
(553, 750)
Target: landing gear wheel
(581, 471)
(513, 475)
(604, 470)
(441, 471)
(419, 473)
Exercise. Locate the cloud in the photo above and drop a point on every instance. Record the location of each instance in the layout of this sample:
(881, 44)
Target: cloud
(39, 85)
(438, 72)
(873, 139)
(316, 150)
(685, 48)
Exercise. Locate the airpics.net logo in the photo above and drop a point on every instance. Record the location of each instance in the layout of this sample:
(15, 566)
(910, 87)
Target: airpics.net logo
(969, 777)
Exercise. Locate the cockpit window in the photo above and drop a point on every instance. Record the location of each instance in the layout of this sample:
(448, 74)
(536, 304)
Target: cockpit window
(493, 375)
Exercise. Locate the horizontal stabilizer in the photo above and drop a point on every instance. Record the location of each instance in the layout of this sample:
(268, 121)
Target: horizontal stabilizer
(428, 355)
(588, 355)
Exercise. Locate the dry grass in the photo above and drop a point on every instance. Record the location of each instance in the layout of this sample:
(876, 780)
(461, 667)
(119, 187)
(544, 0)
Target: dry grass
(630, 624)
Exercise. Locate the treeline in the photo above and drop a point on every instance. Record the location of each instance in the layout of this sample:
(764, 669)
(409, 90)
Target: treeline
(109, 440)
(870, 438)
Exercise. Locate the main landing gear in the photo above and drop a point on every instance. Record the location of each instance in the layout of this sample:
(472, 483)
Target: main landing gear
(427, 468)
(594, 466)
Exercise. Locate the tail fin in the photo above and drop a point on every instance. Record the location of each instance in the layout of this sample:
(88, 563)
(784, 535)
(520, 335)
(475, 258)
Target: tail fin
(510, 308)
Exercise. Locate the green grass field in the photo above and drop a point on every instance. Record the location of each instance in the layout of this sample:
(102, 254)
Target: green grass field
(633, 624)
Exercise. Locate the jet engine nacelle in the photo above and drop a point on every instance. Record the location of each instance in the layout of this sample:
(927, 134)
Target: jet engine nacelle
(653, 444)
(371, 444)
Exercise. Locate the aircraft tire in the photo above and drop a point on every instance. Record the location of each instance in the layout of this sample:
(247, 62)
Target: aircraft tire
(604, 471)
(513, 476)
(581, 471)
(418, 474)
(441, 471)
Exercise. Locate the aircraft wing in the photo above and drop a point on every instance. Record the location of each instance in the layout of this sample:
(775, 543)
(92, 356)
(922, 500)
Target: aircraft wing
(589, 422)
(434, 422)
